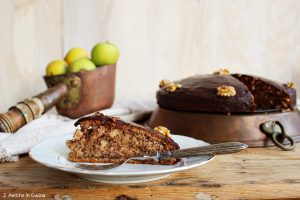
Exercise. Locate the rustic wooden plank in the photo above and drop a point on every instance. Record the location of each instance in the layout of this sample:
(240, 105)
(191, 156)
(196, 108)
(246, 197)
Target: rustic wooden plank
(265, 173)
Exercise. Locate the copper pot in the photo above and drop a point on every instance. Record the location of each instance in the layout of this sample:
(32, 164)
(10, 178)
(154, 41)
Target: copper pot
(215, 128)
(74, 95)
(89, 91)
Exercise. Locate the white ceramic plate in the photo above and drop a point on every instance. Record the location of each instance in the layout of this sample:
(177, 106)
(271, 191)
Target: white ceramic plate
(53, 153)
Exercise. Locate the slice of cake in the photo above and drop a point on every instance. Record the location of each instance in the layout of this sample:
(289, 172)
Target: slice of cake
(104, 139)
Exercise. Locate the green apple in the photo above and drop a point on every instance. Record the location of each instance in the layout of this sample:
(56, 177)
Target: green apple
(81, 64)
(105, 54)
(76, 53)
(56, 67)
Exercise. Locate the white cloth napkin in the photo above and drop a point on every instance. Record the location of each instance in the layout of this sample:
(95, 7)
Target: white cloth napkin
(53, 125)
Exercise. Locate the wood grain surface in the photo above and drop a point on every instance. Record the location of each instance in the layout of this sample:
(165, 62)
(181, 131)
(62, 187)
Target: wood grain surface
(157, 39)
(30, 37)
(257, 173)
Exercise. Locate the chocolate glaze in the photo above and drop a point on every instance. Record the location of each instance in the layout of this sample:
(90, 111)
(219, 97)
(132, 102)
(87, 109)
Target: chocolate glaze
(199, 94)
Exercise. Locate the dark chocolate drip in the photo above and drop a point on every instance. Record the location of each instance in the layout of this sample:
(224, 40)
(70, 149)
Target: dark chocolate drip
(96, 116)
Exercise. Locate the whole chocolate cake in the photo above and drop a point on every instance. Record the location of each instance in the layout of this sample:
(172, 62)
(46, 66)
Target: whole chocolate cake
(222, 92)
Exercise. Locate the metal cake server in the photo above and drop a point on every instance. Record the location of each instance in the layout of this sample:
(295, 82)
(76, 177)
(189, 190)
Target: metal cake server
(214, 149)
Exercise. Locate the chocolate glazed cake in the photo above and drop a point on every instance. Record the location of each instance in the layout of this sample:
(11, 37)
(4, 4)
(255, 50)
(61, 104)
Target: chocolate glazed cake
(225, 93)
(105, 139)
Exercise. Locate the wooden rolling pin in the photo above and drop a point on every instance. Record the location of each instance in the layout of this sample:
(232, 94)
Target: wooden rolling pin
(30, 109)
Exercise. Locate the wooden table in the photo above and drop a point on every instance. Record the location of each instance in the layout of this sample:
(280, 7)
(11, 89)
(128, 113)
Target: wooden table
(257, 173)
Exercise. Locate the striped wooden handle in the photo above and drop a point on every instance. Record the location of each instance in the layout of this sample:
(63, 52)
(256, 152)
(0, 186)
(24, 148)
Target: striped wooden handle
(30, 109)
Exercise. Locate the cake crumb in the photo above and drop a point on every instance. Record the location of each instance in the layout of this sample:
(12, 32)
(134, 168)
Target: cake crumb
(124, 197)
(62, 197)
(226, 91)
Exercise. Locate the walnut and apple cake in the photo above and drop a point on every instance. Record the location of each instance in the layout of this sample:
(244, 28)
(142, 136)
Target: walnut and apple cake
(104, 139)
(223, 92)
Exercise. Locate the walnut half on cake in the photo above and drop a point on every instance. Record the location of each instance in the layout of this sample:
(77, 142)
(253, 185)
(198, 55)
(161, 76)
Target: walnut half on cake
(104, 139)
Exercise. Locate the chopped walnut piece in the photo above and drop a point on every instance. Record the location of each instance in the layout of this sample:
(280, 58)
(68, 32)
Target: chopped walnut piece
(222, 71)
(173, 86)
(78, 134)
(163, 83)
(163, 130)
(226, 91)
(291, 85)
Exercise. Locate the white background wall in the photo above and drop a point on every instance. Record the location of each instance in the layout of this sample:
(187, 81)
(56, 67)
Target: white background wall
(157, 39)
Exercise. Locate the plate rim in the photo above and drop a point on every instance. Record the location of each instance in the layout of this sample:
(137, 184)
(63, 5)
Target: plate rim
(107, 173)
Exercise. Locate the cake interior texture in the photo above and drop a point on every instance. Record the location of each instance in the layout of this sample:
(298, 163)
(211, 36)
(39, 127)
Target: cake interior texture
(111, 142)
(268, 94)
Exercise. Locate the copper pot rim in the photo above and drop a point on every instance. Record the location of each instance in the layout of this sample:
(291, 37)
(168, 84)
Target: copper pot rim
(82, 72)
(250, 113)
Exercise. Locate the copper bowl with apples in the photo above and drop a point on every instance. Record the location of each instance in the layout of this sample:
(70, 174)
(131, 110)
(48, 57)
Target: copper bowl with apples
(77, 85)
(90, 81)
